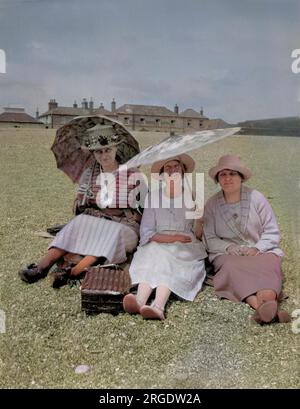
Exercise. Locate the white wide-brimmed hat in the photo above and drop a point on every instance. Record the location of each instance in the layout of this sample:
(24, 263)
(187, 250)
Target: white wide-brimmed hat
(186, 160)
(231, 162)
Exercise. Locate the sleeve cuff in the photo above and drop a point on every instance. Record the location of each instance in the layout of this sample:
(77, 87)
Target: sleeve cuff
(145, 239)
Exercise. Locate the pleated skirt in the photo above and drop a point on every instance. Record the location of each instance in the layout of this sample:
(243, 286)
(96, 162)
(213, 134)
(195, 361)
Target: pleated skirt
(99, 237)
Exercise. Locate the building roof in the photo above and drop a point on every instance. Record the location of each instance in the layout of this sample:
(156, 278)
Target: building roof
(66, 111)
(216, 124)
(153, 110)
(103, 111)
(20, 117)
(191, 113)
(126, 109)
(71, 111)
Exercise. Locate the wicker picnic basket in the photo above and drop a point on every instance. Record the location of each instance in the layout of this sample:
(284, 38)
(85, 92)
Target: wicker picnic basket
(104, 288)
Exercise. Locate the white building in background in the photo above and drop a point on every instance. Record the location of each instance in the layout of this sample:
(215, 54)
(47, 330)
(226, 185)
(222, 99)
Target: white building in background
(135, 117)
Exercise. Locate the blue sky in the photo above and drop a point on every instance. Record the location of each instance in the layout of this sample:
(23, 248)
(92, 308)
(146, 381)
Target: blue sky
(233, 57)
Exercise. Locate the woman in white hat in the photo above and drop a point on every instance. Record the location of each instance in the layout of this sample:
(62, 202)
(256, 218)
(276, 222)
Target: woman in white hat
(242, 238)
(106, 225)
(170, 258)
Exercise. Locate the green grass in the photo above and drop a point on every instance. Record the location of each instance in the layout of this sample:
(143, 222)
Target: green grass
(207, 343)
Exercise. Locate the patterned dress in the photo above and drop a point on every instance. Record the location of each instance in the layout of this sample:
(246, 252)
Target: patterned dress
(109, 224)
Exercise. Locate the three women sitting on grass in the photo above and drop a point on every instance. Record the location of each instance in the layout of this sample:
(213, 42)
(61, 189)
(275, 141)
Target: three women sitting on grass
(240, 233)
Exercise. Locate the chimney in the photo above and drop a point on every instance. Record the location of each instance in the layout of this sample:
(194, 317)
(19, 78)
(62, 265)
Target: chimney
(84, 104)
(113, 106)
(91, 104)
(52, 104)
(201, 111)
(176, 109)
(75, 105)
(37, 114)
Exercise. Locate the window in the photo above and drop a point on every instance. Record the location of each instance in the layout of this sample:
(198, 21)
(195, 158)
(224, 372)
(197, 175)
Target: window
(157, 121)
(173, 121)
(200, 124)
(188, 124)
(126, 120)
(142, 120)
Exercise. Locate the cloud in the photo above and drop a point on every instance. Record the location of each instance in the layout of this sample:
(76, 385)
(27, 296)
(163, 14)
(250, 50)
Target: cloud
(232, 58)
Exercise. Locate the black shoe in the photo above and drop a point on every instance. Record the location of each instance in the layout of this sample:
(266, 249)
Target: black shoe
(32, 274)
(61, 277)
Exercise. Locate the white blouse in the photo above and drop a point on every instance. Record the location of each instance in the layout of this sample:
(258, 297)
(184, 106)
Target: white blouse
(171, 216)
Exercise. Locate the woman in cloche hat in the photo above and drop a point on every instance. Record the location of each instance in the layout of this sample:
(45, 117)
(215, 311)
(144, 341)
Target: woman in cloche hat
(106, 225)
(170, 258)
(242, 239)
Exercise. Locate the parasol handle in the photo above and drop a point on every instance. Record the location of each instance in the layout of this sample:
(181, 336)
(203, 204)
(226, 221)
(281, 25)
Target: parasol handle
(84, 188)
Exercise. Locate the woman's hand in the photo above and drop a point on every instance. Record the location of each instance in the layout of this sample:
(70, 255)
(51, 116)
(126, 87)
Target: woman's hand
(182, 238)
(199, 228)
(171, 238)
(249, 251)
(77, 208)
(236, 250)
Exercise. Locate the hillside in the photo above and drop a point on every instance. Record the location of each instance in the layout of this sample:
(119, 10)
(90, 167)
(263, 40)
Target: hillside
(289, 126)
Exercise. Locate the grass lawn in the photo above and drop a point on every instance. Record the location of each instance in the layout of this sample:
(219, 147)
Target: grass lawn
(204, 344)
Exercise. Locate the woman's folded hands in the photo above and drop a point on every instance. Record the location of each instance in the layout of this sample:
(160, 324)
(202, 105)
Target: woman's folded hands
(236, 250)
(171, 238)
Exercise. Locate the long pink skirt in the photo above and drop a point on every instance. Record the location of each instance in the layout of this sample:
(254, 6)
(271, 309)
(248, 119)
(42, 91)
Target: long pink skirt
(238, 277)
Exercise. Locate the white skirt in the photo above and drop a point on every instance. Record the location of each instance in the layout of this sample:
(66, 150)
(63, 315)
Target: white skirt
(95, 236)
(176, 266)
